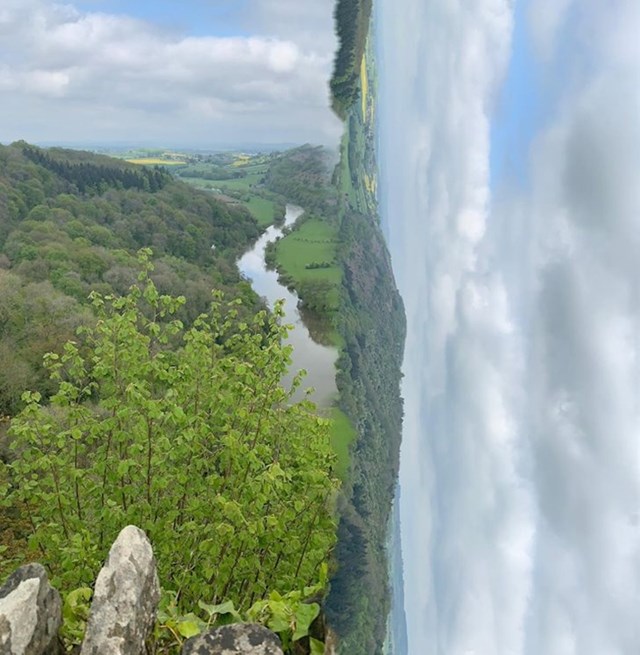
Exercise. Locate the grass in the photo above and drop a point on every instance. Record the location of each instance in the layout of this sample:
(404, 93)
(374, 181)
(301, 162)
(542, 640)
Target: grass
(262, 210)
(345, 174)
(199, 182)
(255, 168)
(342, 434)
(239, 184)
(313, 242)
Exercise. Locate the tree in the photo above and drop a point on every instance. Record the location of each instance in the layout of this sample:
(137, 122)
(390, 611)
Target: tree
(188, 434)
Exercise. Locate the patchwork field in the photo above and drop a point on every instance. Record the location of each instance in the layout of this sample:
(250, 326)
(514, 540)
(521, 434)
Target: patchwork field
(156, 161)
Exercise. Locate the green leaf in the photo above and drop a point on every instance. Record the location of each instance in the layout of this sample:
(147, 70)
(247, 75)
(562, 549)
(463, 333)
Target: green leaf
(222, 609)
(281, 616)
(305, 615)
(189, 628)
(324, 574)
(317, 647)
(76, 604)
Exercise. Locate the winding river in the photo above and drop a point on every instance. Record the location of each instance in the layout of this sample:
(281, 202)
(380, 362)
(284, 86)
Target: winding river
(318, 360)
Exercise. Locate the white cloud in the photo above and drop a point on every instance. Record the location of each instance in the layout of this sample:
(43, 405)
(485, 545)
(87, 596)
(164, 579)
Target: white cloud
(546, 19)
(585, 434)
(460, 488)
(99, 71)
(521, 454)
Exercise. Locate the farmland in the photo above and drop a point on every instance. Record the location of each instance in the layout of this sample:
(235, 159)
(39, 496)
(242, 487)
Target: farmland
(155, 161)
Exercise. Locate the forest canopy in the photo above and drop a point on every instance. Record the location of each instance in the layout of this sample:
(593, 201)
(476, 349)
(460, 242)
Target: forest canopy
(71, 223)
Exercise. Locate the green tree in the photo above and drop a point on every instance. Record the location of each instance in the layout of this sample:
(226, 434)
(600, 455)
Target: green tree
(188, 434)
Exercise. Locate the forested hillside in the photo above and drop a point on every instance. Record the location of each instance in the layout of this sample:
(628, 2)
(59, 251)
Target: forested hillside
(71, 222)
(352, 18)
(372, 325)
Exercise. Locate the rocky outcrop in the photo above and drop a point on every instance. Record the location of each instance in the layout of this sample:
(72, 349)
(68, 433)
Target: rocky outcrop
(236, 639)
(123, 611)
(126, 595)
(30, 613)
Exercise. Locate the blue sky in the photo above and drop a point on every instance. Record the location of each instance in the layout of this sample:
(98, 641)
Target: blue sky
(519, 107)
(195, 17)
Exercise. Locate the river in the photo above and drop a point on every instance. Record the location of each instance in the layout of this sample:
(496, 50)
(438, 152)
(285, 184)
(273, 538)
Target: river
(318, 360)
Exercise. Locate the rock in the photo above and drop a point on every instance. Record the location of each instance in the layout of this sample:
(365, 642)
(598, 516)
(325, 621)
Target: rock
(236, 639)
(125, 598)
(30, 613)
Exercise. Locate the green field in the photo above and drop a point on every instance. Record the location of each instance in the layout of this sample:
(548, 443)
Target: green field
(199, 183)
(314, 242)
(155, 161)
(263, 210)
(252, 168)
(239, 184)
(306, 261)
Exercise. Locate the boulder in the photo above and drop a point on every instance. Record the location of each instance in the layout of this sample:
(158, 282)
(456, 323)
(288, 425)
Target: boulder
(125, 598)
(236, 639)
(30, 613)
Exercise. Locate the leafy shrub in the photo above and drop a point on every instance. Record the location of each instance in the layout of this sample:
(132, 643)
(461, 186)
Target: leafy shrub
(187, 434)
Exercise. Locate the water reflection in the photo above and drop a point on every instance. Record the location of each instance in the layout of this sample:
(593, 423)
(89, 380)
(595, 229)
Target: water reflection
(316, 359)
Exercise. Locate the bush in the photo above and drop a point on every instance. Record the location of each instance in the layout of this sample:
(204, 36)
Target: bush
(187, 434)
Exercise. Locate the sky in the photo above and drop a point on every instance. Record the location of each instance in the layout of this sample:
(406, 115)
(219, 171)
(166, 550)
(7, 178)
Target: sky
(510, 155)
(194, 73)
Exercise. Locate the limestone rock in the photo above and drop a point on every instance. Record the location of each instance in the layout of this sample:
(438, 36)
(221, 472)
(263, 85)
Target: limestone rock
(125, 598)
(236, 639)
(30, 613)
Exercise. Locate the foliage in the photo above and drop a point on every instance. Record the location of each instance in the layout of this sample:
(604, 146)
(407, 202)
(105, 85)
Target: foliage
(290, 616)
(241, 180)
(75, 614)
(90, 176)
(186, 433)
(342, 435)
(372, 325)
(302, 176)
(58, 244)
(306, 257)
(352, 26)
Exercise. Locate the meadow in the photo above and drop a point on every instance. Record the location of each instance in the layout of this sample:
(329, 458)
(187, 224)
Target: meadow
(304, 252)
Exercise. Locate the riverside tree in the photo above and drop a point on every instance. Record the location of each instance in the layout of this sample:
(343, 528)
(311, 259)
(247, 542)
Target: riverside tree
(188, 434)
